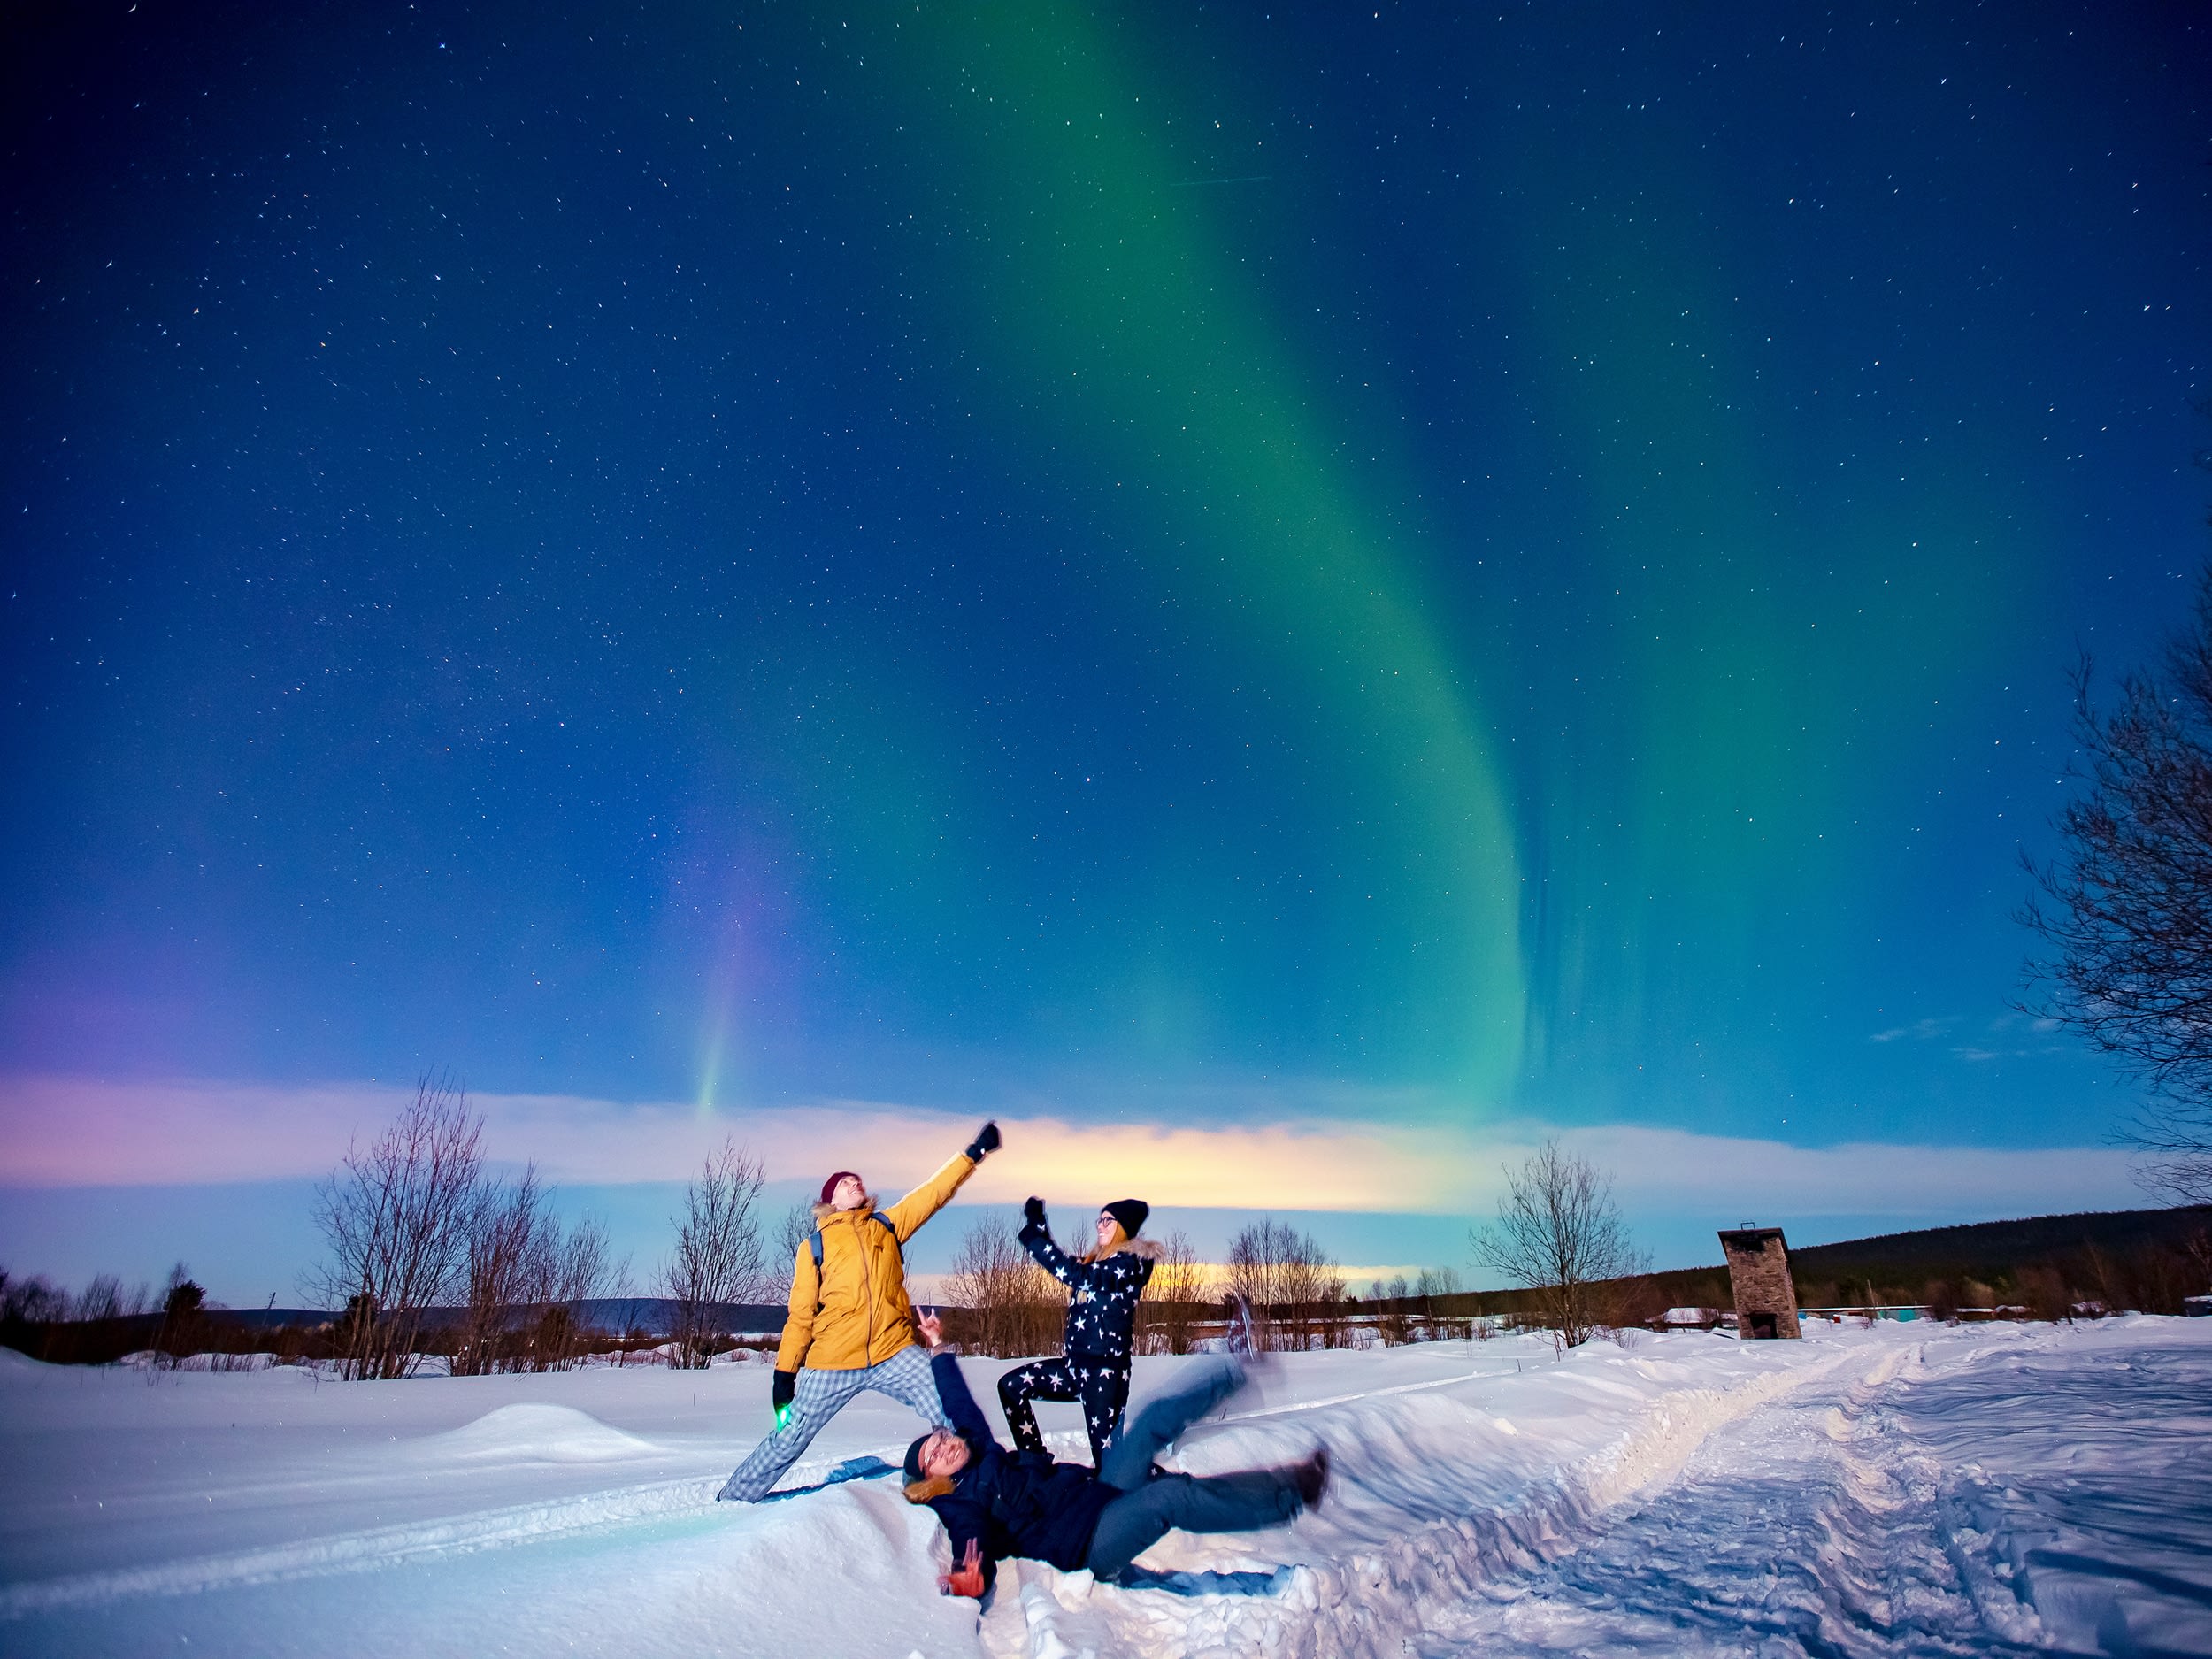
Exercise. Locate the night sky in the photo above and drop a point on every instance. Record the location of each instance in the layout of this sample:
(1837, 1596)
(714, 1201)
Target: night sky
(1331, 574)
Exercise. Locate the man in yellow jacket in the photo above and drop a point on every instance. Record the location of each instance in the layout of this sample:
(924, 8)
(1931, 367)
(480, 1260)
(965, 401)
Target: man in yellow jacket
(852, 1326)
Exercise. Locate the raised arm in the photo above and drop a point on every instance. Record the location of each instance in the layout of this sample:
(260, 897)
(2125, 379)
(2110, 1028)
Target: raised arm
(952, 1388)
(1036, 1238)
(906, 1216)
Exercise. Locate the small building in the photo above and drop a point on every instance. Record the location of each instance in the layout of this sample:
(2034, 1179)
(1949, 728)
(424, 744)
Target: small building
(1759, 1273)
(1870, 1311)
(1687, 1320)
(2197, 1307)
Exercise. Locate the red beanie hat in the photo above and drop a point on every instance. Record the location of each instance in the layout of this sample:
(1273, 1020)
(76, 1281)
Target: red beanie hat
(830, 1186)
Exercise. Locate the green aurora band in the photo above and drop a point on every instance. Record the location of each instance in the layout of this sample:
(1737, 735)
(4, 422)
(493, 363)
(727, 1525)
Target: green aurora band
(1061, 220)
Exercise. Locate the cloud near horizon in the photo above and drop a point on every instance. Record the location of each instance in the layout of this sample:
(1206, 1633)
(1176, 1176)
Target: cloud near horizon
(66, 1132)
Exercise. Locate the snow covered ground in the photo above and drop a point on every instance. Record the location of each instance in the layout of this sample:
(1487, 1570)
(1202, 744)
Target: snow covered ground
(1902, 1489)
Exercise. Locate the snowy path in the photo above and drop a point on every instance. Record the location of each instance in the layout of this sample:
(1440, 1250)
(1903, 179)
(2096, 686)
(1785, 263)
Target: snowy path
(1896, 1490)
(2050, 1493)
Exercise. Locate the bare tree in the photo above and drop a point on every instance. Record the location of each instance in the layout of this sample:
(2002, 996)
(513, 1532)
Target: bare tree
(540, 1326)
(717, 1256)
(1168, 1313)
(528, 1280)
(1314, 1288)
(794, 1229)
(1394, 1315)
(32, 1301)
(512, 1248)
(1294, 1291)
(1433, 1285)
(101, 1299)
(1012, 1308)
(395, 1219)
(2125, 910)
(585, 1269)
(1560, 1234)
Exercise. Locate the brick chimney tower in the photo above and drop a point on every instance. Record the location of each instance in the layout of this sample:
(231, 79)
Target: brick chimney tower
(1759, 1273)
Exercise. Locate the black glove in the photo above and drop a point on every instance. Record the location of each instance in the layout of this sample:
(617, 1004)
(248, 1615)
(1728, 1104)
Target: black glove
(780, 1393)
(1034, 1212)
(987, 1139)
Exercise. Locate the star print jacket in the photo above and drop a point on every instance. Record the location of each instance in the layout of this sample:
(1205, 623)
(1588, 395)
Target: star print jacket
(1101, 1294)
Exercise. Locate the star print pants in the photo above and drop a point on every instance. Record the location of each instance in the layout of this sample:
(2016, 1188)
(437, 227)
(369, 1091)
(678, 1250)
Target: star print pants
(819, 1395)
(1101, 1385)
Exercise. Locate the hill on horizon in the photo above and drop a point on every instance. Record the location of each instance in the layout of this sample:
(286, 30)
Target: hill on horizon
(2133, 1258)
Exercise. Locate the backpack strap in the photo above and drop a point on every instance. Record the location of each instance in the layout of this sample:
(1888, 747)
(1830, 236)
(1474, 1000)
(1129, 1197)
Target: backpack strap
(814, 1243)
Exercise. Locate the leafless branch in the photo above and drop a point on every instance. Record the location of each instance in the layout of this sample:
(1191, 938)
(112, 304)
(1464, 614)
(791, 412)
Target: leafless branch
(396, 1218)
(1180, 1283)
(1011, 1307)
(2125, 910)
(717, 1258)
(1294, 1291)
(1559, 1233)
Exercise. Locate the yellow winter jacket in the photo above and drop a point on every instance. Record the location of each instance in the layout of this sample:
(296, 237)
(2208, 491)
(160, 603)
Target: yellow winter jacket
(854, 1312)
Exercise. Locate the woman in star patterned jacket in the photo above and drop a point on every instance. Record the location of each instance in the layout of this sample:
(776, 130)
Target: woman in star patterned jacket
(1103, 1284)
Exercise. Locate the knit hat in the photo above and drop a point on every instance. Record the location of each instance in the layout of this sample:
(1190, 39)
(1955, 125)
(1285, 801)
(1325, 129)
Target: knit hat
(829, 1187)
(919, 1487)
(1130, 1213)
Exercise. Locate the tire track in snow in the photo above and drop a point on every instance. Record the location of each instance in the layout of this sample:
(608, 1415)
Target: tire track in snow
(380, 1546)
(504, 1527)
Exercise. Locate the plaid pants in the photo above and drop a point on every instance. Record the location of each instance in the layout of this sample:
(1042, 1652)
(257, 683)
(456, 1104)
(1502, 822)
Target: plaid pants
(819, 1395)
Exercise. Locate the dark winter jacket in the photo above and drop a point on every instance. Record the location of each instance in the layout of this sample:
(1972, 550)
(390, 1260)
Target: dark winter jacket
(1103, 1294)
(1015, 1503)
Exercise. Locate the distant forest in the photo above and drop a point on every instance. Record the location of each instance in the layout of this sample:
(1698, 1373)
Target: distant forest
(2044, 1267)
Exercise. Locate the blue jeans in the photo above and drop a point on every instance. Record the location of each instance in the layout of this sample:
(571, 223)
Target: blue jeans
(1153, 1504)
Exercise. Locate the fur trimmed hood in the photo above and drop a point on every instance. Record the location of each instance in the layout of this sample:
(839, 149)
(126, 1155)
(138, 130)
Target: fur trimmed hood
(1148, 1249)
(931, 1487)
(848, 1307)
(824, 1212)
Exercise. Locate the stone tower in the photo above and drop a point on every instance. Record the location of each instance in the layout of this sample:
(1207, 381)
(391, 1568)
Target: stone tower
(1759, 1273)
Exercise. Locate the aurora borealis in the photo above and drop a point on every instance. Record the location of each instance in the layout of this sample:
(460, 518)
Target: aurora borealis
(1140, 567)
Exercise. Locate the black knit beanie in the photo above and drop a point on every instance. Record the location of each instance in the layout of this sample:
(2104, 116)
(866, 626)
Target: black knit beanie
(914, 1457)
(1130, 1213)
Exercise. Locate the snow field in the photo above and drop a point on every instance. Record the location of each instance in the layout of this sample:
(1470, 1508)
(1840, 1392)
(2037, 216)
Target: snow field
(1894, 1490)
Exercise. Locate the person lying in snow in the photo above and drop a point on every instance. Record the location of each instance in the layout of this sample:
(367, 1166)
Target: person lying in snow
(1094, 1365)
(850, 1326)
(997, 1504)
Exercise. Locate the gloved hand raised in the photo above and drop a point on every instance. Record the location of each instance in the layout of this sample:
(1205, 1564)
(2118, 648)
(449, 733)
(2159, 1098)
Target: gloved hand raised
(779, 1393)
(1034, 1212)
(986, 1140)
